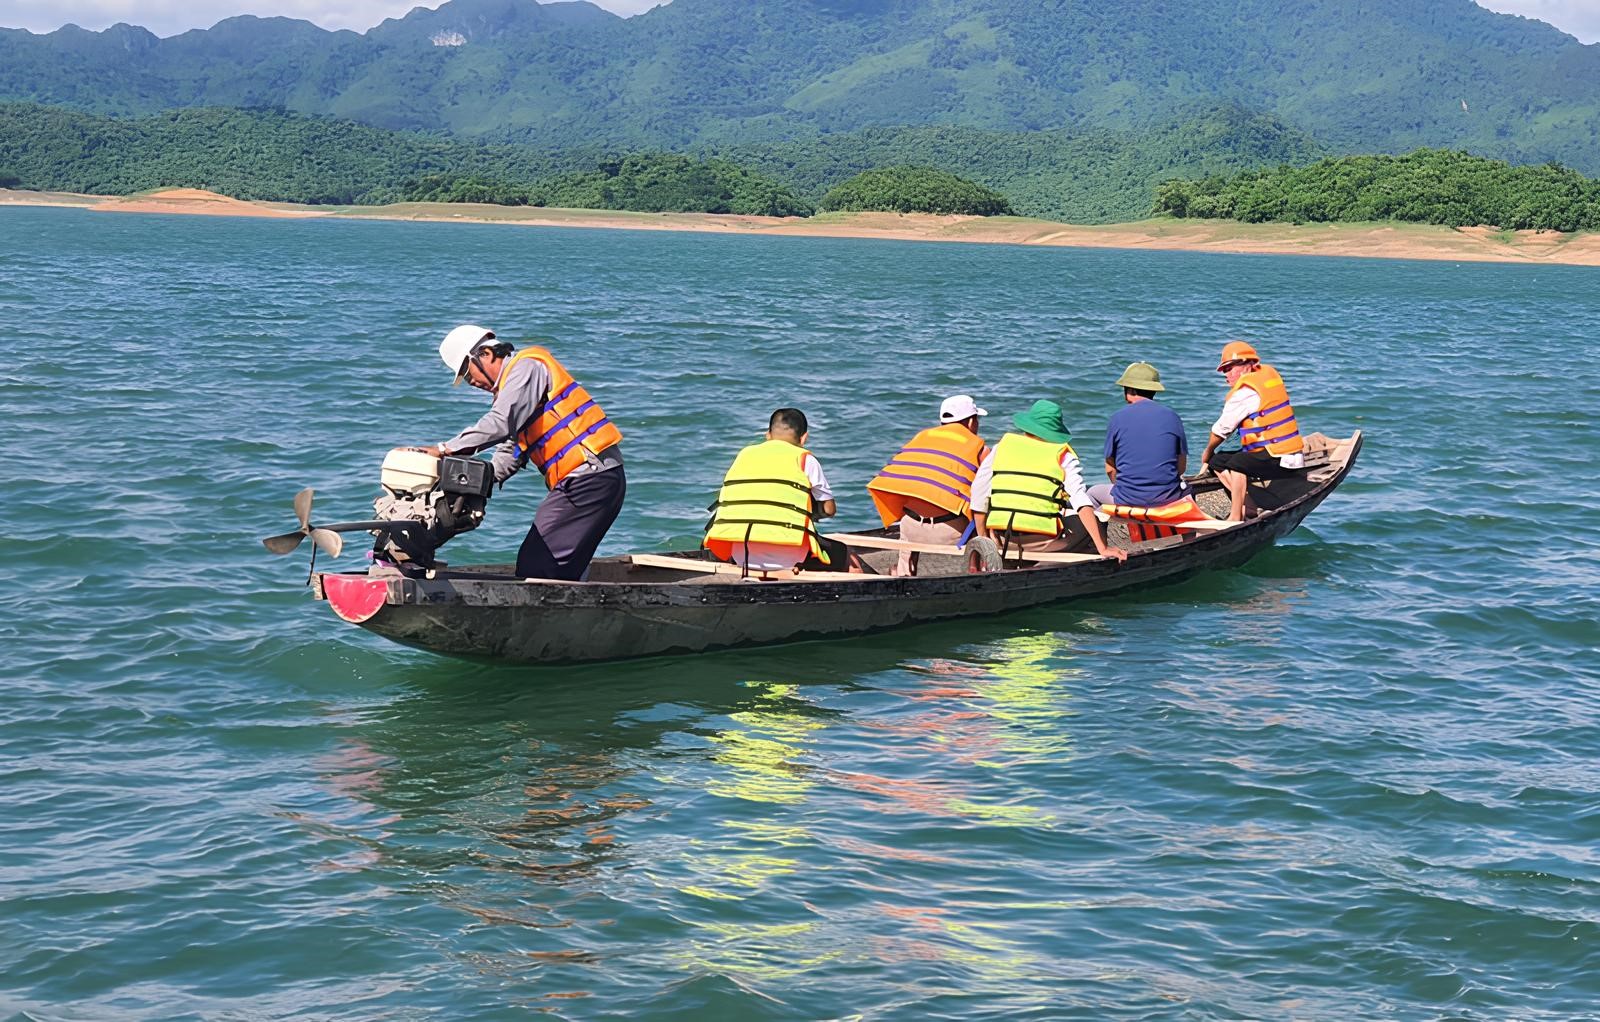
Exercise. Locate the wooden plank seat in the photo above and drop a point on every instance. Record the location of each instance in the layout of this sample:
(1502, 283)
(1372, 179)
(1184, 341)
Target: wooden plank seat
(885, 543)
(703, 567)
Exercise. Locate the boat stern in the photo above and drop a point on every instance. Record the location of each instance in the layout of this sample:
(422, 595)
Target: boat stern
(355, 598)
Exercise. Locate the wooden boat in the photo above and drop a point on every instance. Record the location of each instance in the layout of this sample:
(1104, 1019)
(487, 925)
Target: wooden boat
(638, 605)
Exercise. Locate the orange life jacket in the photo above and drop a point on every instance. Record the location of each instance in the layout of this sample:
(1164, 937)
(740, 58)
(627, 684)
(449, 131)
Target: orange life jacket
(1273, 428)
(568, 423)
(1152, 522)
(937, 466)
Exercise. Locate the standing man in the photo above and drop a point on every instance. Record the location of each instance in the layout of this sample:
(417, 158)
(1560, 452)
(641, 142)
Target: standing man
(1269, 436)
(1027, 483)
(927, 487)
(541, 414)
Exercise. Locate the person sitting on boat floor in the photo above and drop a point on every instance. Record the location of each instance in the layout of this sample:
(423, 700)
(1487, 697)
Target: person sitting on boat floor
(927, 487)
(1026, 483)
(1257, 405)
(765, 517)
(541, 414)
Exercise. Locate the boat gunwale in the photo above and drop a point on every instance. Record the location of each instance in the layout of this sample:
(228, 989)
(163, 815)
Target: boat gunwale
(450, 587)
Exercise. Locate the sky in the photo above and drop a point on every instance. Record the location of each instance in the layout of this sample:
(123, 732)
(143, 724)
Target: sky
(169, 17)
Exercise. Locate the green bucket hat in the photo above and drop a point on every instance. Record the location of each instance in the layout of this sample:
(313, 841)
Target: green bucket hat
(1043, 420)
(1141, 376)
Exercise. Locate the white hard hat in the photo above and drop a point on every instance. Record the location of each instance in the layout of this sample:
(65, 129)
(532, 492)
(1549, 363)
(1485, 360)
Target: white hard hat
(459, 343)
(959, 409)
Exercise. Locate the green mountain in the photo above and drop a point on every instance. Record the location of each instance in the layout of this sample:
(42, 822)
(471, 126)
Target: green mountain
(1360, 75)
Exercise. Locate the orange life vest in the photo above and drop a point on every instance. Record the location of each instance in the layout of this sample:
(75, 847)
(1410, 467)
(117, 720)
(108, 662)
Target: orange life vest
(568, 423)
(937, 466)
(1273, 428)
(1152, 522)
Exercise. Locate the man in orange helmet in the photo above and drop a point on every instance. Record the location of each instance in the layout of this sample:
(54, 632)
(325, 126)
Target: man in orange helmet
(1270, 446)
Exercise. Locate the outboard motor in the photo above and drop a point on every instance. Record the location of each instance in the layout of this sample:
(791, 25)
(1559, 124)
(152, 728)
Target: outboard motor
(444, 496)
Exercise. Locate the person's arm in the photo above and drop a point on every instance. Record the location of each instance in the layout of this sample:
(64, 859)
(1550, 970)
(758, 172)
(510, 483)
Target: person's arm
(1111, 470)
(822, 503)
(982, 483)
(1241, 404)
(1078, 495)
(1091, 525)
(515, 404)
(505, 462)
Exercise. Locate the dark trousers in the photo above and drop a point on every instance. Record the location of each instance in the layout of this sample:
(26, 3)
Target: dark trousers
(570, 523)
(838, 557)
(1254, 464)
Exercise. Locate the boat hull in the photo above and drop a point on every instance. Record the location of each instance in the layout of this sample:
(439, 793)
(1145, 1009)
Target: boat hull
(481, 614)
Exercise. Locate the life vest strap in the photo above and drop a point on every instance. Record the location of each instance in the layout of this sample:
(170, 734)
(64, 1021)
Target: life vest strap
(759, 503)
(957, 476)
(1257, 445)
(1030, 475)
(802, 529)
(937, 453)
(599, 424)
(963, 497)
(1257, 426)
(1032, 496)
(803, 487)
(562, 422)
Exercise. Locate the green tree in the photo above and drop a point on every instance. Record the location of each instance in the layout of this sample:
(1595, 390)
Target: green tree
(1428, 186)
(915, 190)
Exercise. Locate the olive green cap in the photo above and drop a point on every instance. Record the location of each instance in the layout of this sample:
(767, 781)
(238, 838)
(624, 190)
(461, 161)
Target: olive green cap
(1141, 376)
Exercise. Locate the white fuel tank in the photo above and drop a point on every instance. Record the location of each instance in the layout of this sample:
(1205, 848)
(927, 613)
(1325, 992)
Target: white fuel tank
(409, 473)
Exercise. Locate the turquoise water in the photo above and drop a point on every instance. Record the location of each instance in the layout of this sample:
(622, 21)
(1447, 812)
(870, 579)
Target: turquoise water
(1355, 779)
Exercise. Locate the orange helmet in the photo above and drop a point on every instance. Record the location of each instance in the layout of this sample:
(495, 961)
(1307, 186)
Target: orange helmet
(1237, 351)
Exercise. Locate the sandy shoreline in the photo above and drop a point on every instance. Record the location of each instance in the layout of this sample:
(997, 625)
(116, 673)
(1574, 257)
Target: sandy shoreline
(1373, 241)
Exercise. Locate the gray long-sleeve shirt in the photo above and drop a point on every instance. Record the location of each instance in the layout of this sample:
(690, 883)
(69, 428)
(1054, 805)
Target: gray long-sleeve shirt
(522, 394)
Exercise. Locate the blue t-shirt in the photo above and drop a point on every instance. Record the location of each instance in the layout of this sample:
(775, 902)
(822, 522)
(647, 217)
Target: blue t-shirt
(1143, 442)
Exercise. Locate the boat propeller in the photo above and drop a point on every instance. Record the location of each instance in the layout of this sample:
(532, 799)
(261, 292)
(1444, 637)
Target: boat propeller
(327, 540)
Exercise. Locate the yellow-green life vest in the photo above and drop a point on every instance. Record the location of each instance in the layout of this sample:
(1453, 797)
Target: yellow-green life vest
(765, 498)
(1027, 494)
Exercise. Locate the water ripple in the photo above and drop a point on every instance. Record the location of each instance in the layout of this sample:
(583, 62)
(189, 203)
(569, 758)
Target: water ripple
(1352, 779)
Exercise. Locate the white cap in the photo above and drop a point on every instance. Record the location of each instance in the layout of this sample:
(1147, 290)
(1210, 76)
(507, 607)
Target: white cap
(459, 343)
(959, 408)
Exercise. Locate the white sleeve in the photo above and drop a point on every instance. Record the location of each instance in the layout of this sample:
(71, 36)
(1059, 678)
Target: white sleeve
(1072, 482)
(1241, 404)
(820, 490)
(981, 485)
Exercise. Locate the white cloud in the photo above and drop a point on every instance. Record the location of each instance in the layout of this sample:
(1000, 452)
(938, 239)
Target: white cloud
(1580, 18)
(169, 17)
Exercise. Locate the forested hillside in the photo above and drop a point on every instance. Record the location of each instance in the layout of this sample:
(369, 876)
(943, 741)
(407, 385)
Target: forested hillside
(1093, 176)
(1428, 186)
(1359, 75)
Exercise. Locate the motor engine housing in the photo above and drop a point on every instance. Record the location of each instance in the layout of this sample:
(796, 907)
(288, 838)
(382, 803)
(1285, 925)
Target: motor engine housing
(441, 503)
